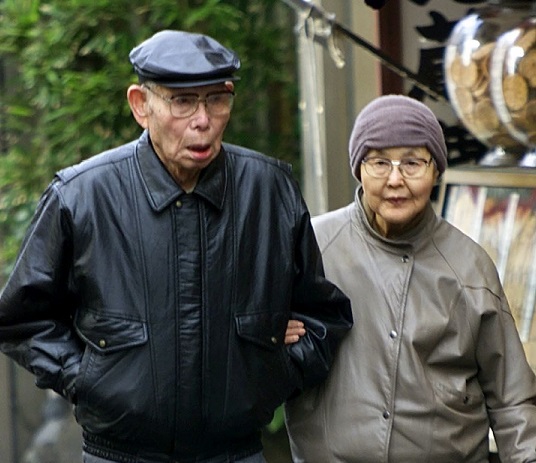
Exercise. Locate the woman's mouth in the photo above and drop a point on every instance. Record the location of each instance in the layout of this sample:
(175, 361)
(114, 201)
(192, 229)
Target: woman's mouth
(396, 201)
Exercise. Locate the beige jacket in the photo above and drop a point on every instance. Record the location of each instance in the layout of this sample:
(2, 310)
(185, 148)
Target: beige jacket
(434, 358)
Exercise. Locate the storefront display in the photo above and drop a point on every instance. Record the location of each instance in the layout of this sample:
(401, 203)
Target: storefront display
(469, 77)
(514, 85)
(497, 208)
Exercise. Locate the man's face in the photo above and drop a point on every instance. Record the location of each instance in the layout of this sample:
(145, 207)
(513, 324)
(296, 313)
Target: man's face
(185, 145)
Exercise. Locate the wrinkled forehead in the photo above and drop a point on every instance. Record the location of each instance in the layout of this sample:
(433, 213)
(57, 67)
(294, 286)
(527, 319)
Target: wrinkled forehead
(399, 152)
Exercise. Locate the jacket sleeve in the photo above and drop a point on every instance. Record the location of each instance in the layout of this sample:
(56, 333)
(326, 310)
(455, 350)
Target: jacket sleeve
(324, 309)
(509, 386)
(36, 327)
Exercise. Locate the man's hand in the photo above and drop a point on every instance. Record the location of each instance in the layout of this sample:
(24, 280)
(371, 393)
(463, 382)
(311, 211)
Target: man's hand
(295, 329)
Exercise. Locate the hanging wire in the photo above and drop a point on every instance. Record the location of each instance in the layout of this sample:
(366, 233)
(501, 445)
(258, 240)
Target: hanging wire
(336, 30)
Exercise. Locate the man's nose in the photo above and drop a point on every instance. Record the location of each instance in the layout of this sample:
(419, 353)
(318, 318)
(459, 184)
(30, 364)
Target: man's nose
(201, 114)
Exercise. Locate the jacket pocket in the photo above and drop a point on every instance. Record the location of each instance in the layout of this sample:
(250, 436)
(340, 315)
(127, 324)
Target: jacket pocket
(111, 393)
(262, 328)
(461, 410)
(107, 334)
(262, 364)
(467, 401)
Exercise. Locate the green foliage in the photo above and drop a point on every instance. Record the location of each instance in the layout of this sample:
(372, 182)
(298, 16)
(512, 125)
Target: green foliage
(67, 70)
(278, 421)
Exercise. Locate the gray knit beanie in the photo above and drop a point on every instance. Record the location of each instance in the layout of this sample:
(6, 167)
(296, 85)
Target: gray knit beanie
(392, 121)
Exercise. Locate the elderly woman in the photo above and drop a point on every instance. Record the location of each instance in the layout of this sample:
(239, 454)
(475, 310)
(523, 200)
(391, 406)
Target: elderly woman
(435, 359)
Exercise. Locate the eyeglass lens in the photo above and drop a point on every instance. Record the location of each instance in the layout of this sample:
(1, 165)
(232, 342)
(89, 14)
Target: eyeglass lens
(217, 104)
(410, 168)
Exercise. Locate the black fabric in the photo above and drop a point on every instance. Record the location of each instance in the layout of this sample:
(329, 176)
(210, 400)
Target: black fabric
(376, 4)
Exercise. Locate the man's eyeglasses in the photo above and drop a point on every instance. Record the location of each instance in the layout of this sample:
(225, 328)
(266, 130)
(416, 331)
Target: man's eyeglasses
(185, 105)
(408, 167)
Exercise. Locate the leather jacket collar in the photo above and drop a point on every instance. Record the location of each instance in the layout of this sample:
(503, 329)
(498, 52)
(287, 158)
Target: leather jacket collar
(160, 188)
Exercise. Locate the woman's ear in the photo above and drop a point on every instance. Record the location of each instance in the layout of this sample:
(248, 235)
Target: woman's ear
(438, 177)
(137, 100)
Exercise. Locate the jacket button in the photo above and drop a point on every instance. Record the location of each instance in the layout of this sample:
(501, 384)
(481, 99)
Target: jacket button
(273, 339)
(102, 343)
(386, 414)
(405, 259)
(178, 203)
(393, 334)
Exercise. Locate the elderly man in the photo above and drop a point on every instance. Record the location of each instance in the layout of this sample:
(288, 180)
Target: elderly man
(155, 284)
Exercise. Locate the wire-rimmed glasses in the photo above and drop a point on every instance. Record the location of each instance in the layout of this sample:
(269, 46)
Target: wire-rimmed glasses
(408, 167)
(186, 104)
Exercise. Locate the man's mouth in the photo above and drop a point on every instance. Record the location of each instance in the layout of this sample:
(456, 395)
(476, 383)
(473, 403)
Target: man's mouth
(200, 151)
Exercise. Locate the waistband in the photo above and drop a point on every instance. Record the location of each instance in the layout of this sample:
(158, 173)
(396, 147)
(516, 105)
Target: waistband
(126, 452)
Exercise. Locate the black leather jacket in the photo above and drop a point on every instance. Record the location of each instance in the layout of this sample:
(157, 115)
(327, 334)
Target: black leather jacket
(166, 330)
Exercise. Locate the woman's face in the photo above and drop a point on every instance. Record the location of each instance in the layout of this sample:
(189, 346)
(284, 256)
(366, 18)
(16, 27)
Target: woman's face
(397, 202)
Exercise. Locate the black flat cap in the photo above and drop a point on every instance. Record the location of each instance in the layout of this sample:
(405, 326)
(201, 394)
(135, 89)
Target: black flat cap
(183, 59)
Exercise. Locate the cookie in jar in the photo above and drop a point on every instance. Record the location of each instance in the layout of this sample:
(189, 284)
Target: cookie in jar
(467, 67)
(514, 81)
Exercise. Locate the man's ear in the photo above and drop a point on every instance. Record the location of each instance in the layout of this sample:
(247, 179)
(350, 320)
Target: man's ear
(137, 100)
(229, 85)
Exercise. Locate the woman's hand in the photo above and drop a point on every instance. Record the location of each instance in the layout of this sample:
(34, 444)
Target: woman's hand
(295, 329)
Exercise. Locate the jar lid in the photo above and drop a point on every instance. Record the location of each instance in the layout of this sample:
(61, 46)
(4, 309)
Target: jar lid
(512, 2)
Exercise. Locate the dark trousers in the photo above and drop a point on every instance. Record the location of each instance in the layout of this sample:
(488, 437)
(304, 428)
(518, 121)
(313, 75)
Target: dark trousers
(257, 458)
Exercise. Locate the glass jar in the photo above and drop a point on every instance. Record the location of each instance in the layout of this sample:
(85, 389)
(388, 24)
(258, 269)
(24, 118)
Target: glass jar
(467, 64)
(513, 85)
